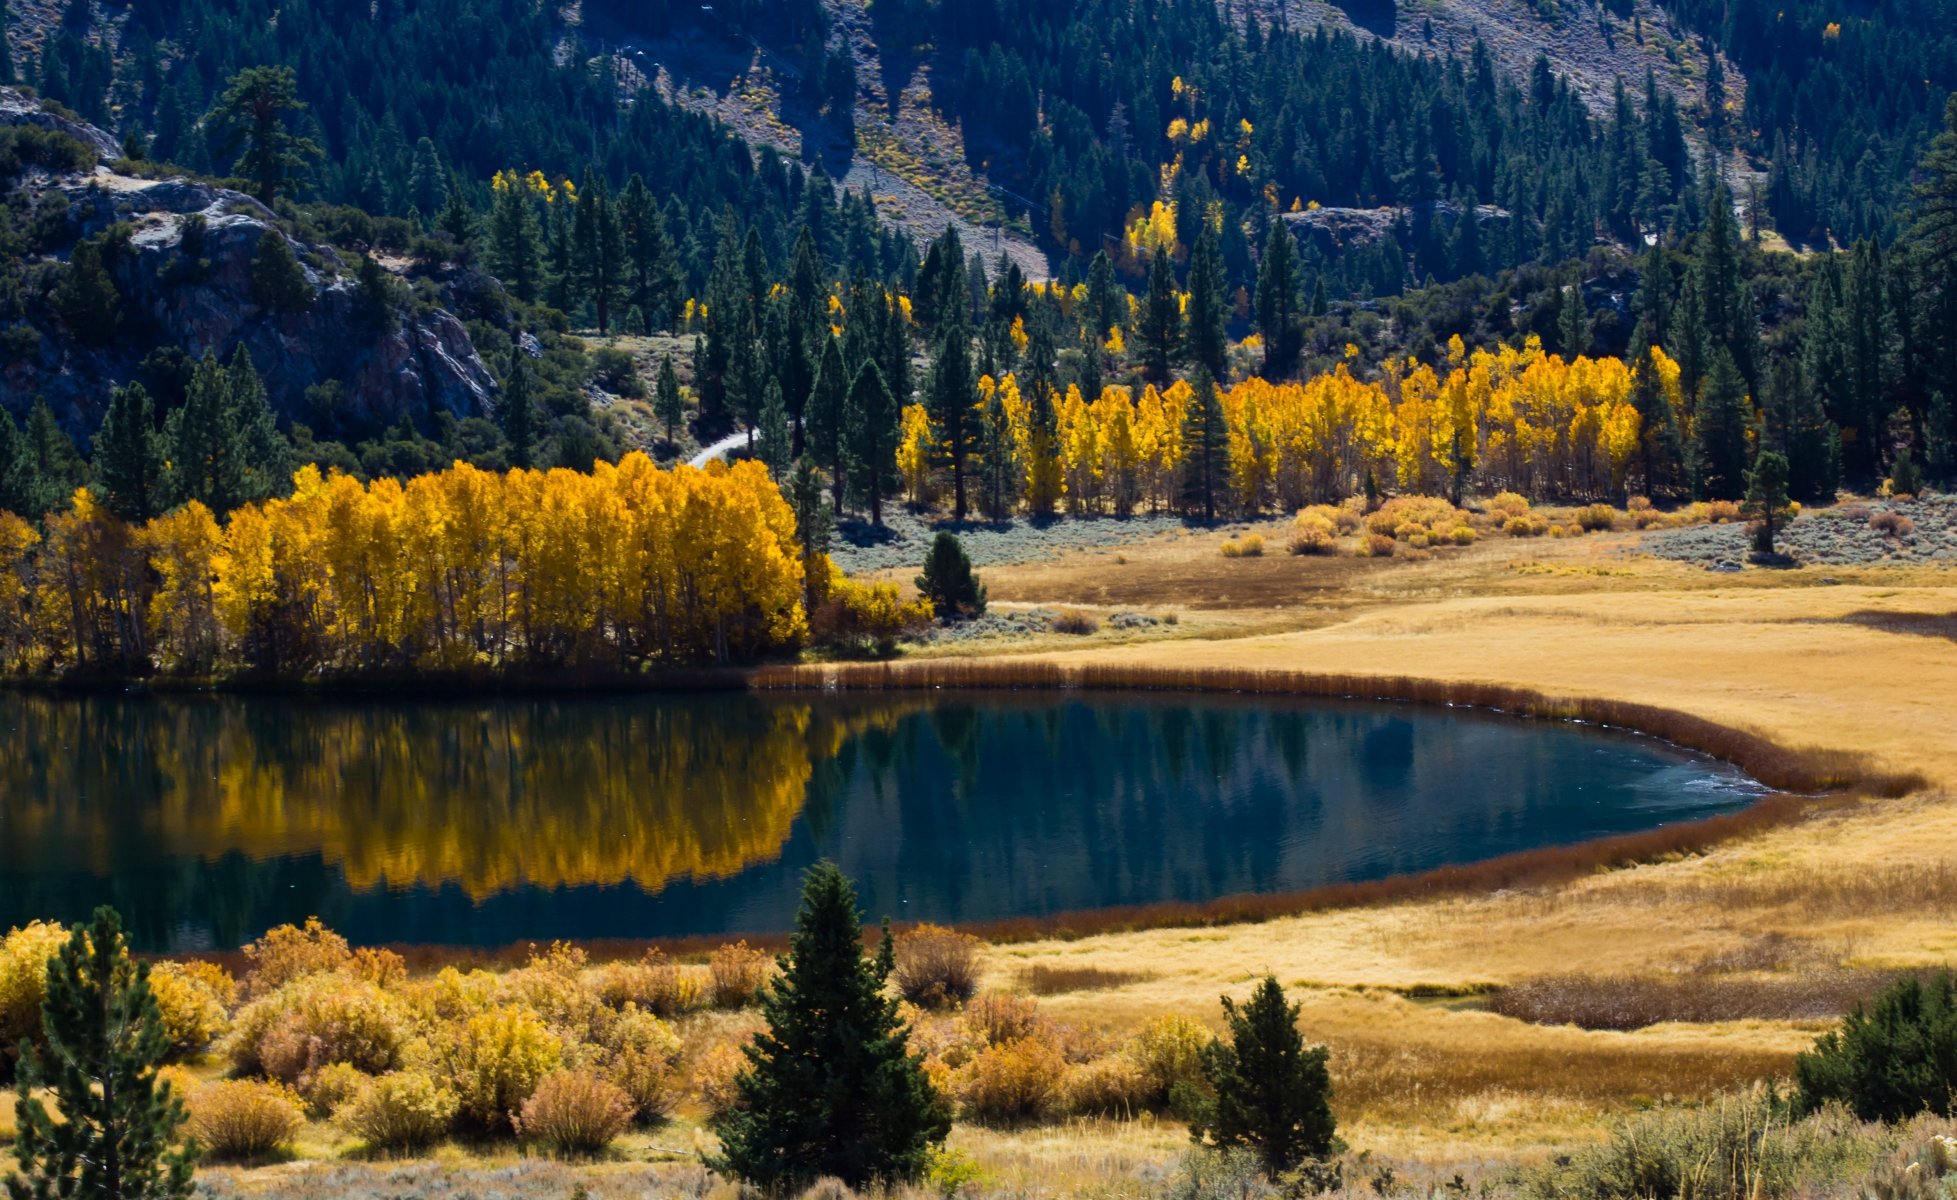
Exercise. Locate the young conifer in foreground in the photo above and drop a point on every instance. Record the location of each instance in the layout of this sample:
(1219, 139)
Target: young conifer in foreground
(1273, 1094)
(105, 1038)
(831, 1088)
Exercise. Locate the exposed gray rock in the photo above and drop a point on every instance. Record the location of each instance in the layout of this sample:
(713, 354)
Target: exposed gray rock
(17, 108)
(198, 297)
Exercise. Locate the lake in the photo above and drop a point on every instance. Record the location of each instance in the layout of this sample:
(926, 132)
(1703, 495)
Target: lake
(207, 819)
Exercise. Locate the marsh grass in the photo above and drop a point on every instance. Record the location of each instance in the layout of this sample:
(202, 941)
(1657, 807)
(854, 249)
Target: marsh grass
(1636, 1002)
(1043, 980)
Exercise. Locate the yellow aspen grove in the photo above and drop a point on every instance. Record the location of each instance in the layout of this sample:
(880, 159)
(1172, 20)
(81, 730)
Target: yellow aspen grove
(1080, 454)
(623, 568)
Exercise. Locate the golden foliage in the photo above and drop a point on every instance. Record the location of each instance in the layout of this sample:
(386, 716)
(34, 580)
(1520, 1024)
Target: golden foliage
(243, 1118)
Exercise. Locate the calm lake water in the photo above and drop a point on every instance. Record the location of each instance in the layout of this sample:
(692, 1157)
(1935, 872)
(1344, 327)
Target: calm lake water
(208, 819)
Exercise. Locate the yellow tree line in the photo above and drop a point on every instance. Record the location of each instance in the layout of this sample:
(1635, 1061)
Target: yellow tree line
(1517, 420)
(460, 569)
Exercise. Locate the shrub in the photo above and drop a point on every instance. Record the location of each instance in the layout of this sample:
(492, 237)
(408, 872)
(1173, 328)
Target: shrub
(1734, 1148)
(1462, 535)
(947, 580)
(1525, 525)
(1313, 534)
(575, 1112)
(1895, 1059)
(1892, 524)
(654, 984)
(402, 1110)
(24, 959)
(191, 1008)
(1251, 545)
(1507, 504)
(1594, 518)
(995, 1018)
(936, 966)
(243, 1118)
(378, 966)
(329, 1089)
(1111, 1086)
(1169, 1051)
(1376, 545)
(290, 952)
(714, 1072)
(650, 1077)
(497, 1061)
(1019, 1080)
(1414, 515)
(738, 974)
(1719, 512)
(1075, 622)
(308, 1024)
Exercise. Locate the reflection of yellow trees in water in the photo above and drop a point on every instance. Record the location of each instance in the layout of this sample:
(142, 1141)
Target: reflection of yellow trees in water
(492, 798)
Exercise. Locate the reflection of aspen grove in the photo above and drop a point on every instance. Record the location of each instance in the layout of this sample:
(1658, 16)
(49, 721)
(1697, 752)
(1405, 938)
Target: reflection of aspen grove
(510, 795)
(625, 566)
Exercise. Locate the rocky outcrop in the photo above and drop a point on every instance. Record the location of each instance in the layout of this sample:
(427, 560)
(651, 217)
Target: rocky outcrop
(184, 275)
(17, 108)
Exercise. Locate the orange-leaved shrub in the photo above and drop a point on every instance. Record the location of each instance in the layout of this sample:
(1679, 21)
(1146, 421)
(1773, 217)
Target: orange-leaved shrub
(496, 1061)
(575, 1112)
(1018, 1080)
(288, 952)
(936, 966)
(737, 974)
(243, 1118)
(996, 1017)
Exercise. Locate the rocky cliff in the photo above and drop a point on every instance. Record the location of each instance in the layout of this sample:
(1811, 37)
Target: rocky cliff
(184, 279)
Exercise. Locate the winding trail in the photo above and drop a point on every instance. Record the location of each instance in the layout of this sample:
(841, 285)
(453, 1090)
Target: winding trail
(719, 449)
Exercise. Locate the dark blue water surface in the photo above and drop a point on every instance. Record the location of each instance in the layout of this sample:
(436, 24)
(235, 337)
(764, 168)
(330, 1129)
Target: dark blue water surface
(208, 819)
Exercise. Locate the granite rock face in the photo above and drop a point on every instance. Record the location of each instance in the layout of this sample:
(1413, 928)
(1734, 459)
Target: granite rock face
(184, 276)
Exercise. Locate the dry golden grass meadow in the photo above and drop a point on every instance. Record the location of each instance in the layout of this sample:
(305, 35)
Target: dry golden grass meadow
(1857, 663)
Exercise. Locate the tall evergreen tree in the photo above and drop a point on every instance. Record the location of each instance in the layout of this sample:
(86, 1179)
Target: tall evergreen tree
(1273, 1093)
(129, 455)
(1652, 302)
(47, 467)
(1205, 448)
(104, 1041)
(998, 458)
(515, 251)
(1573, 320)
(667, 402)
(831, 1088)
(774, 444)
(1767, 502)
(1209, 308)
(517, 414)
(652, 275)
(813, 527)
(427, 182)
(1158, 327)
(202, 440)
(457, 222)
(826, 417)
(1278, 300)
(560, 252)
(251, 118)
(86, 295)
(1107, 302)
(950, 402)
(1719, 436)
(13, 492)
(6, 50)
(870, 432)
(1661, 446)
(1795, 424)
(278, 282)
(1868, 361)
(264, 456)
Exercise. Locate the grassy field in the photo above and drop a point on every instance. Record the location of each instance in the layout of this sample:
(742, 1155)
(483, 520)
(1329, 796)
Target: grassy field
(1666, 982)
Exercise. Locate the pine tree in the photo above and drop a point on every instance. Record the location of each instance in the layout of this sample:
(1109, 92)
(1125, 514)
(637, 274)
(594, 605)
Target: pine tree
(667, 402)
(598, 240)
(1661, 448)
(998, 458)
(1573, 321)
(870, 439)
(1940, 441)
(1719, 434)
(652, 275)
(1209, 312)
(1795, 423)
(250, 116)
(6, 51)
(950, 403)
(1205, 448)
(105, 1039)
(826, 417)
(1868, 359)
(1159, 325)
(427, 182)
(517, 414)
(1278, 316)
(264, 456)
(1107, 303)
(86, 296)
(1767, 503)
(1043, 480)
(129, 455)
(457, 222)
(1652, 302)
(831, 1088)
(47, 467)
(560, 275)
(202, 441)
(278, 282)
(1273, 1094)
(373, 300)
(948, 581)
(515, 253)
(775, 442)
(13, 492)
(813, 527)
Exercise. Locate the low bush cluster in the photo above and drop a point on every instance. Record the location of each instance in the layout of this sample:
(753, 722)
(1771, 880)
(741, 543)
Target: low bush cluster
(936, 966)
(575, 1112)
(244, 1118)
(1250, 545)
(402, 1110)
